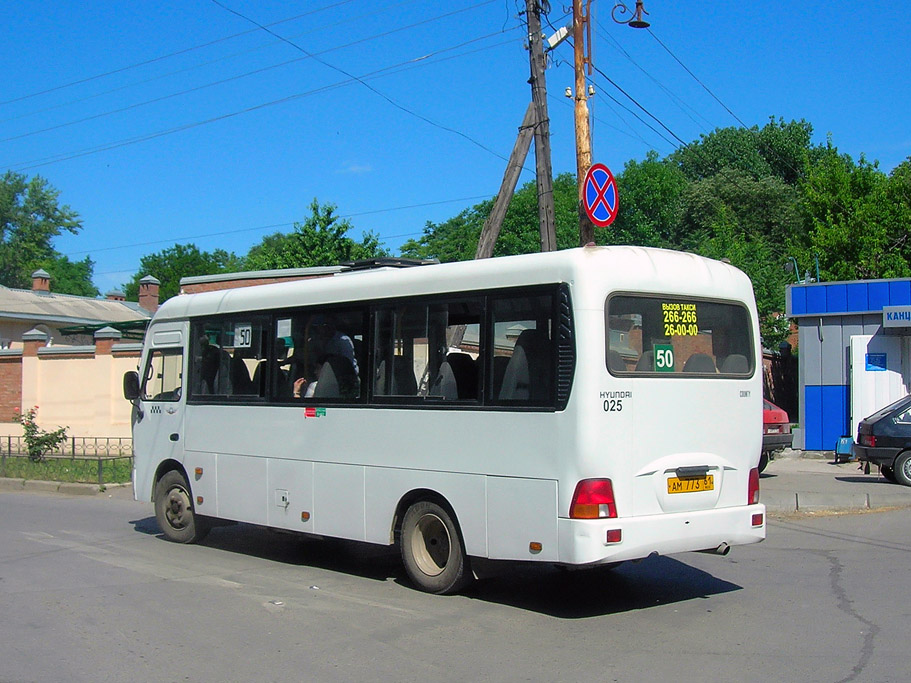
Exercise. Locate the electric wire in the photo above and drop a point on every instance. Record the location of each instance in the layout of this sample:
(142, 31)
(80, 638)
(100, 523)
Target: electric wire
(272, 226)
(397, 68)
(255, 72)
(379, 93)
(210, 62)
(153, 60)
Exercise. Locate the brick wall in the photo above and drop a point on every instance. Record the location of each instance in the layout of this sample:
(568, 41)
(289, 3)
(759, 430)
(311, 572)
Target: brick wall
(10, 387)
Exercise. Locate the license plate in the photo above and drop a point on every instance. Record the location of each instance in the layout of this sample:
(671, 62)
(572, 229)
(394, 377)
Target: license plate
(691, 484)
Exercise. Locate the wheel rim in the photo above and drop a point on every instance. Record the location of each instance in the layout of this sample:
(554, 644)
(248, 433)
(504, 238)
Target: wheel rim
(177, 510)
(431, 545)
(906, 469)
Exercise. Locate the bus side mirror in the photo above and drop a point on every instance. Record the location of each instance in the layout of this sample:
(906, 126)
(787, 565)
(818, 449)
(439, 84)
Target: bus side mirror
(131, 385)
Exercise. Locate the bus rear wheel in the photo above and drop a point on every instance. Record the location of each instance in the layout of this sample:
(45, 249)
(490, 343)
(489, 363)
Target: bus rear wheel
(432, 549)
(174, 510)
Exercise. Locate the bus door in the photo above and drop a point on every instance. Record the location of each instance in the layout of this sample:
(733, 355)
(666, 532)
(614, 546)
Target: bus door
(158, 427)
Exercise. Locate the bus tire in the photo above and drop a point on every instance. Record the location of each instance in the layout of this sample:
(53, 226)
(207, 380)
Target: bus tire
(174, 510)
(763, 460)
(432, 549)
(901, 468)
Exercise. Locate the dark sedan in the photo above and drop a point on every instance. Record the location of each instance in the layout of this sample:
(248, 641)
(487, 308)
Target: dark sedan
(884, 439)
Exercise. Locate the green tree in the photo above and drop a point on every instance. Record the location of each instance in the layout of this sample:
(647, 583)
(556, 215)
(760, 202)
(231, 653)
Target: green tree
(859, 218)
(457, 238)
(30, 218)
(71, 277)
(321, 240)
(651, 204)
(181, 260)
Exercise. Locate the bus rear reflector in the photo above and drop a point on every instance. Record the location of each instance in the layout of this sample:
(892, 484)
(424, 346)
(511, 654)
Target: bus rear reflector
(753, 492)
(593, 499)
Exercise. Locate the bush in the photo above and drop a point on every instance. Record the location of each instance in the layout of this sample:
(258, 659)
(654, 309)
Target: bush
(37, 440)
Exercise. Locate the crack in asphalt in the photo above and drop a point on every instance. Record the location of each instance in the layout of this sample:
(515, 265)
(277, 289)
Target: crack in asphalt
(846, 605)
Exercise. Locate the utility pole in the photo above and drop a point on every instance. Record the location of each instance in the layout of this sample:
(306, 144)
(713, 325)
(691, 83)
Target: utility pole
(546, 220)
(491, 229)
(581, 32)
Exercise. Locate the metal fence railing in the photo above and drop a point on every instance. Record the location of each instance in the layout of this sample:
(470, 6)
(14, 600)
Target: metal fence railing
(86, 459)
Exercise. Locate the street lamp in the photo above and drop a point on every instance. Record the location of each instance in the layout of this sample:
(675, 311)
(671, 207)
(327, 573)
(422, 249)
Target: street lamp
(635, 21)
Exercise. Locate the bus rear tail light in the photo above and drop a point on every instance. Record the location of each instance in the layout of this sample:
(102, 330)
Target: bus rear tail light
(753, 492)
(593, 499)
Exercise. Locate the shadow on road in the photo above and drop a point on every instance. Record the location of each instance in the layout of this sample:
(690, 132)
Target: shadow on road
(543, 588)
(579, 594)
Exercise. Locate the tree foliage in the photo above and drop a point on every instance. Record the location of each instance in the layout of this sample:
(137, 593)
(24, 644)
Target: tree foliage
(182, 260)
(321, 240)
(30, 218)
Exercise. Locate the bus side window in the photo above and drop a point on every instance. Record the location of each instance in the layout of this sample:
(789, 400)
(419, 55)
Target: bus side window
(522, 351)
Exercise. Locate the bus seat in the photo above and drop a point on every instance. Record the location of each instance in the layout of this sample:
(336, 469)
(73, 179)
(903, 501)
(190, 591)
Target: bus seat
(500, 363)
(646, 362)
(527, 377)
(336, 379)
(736, 363)
(240, 375)
(445, 385)
(615, 361)
(699, 362)
(465, 370)
(403, 382)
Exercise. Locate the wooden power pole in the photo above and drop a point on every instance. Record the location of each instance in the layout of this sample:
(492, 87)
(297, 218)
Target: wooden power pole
(545, 184)
(491, 229)
(581, 31)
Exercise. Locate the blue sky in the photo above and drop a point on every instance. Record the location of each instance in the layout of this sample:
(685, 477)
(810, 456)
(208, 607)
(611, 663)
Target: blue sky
(178, 121)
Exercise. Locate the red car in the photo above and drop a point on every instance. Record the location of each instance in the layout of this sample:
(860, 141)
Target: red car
(776, 431)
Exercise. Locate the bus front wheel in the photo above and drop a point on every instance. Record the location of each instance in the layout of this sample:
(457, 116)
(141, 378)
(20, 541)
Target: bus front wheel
(432, 549)
(174, 510)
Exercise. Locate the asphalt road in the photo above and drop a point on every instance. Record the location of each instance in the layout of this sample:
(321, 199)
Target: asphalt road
(90, 592)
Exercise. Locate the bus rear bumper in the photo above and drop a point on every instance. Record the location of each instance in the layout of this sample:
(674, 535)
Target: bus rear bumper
(586, 541)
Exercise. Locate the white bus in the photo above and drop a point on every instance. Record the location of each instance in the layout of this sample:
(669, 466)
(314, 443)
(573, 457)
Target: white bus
(579, 407)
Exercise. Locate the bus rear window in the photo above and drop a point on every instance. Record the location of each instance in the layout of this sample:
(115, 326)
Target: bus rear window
(668, 335)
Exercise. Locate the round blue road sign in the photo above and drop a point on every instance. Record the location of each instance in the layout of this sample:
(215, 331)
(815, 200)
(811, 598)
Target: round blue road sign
(599, 195)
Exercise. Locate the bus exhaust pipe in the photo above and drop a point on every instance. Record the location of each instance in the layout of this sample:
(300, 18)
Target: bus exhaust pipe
(722, 549)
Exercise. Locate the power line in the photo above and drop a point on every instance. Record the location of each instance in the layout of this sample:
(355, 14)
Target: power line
(696, 78)
(207, 63)
(397, 68)
(272, 226)
(121, 69)
(250, 73)
(391, 101)
(683, 106)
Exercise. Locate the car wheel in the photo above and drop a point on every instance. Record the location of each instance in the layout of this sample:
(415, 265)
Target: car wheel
(902, 468)
(432, 549)
(888, 473)
(763, 460)
(174, 510)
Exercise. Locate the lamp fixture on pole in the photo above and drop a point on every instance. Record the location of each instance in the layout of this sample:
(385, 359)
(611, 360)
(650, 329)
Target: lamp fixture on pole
(635, 20)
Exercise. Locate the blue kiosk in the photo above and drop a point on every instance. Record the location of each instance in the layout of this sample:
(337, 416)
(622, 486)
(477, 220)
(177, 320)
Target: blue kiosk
(854, 353)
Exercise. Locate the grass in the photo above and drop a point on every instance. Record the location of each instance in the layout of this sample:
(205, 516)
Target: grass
(113, 470)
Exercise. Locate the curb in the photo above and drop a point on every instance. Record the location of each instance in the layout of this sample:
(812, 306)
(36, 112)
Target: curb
(778, 502)
(67, 488)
